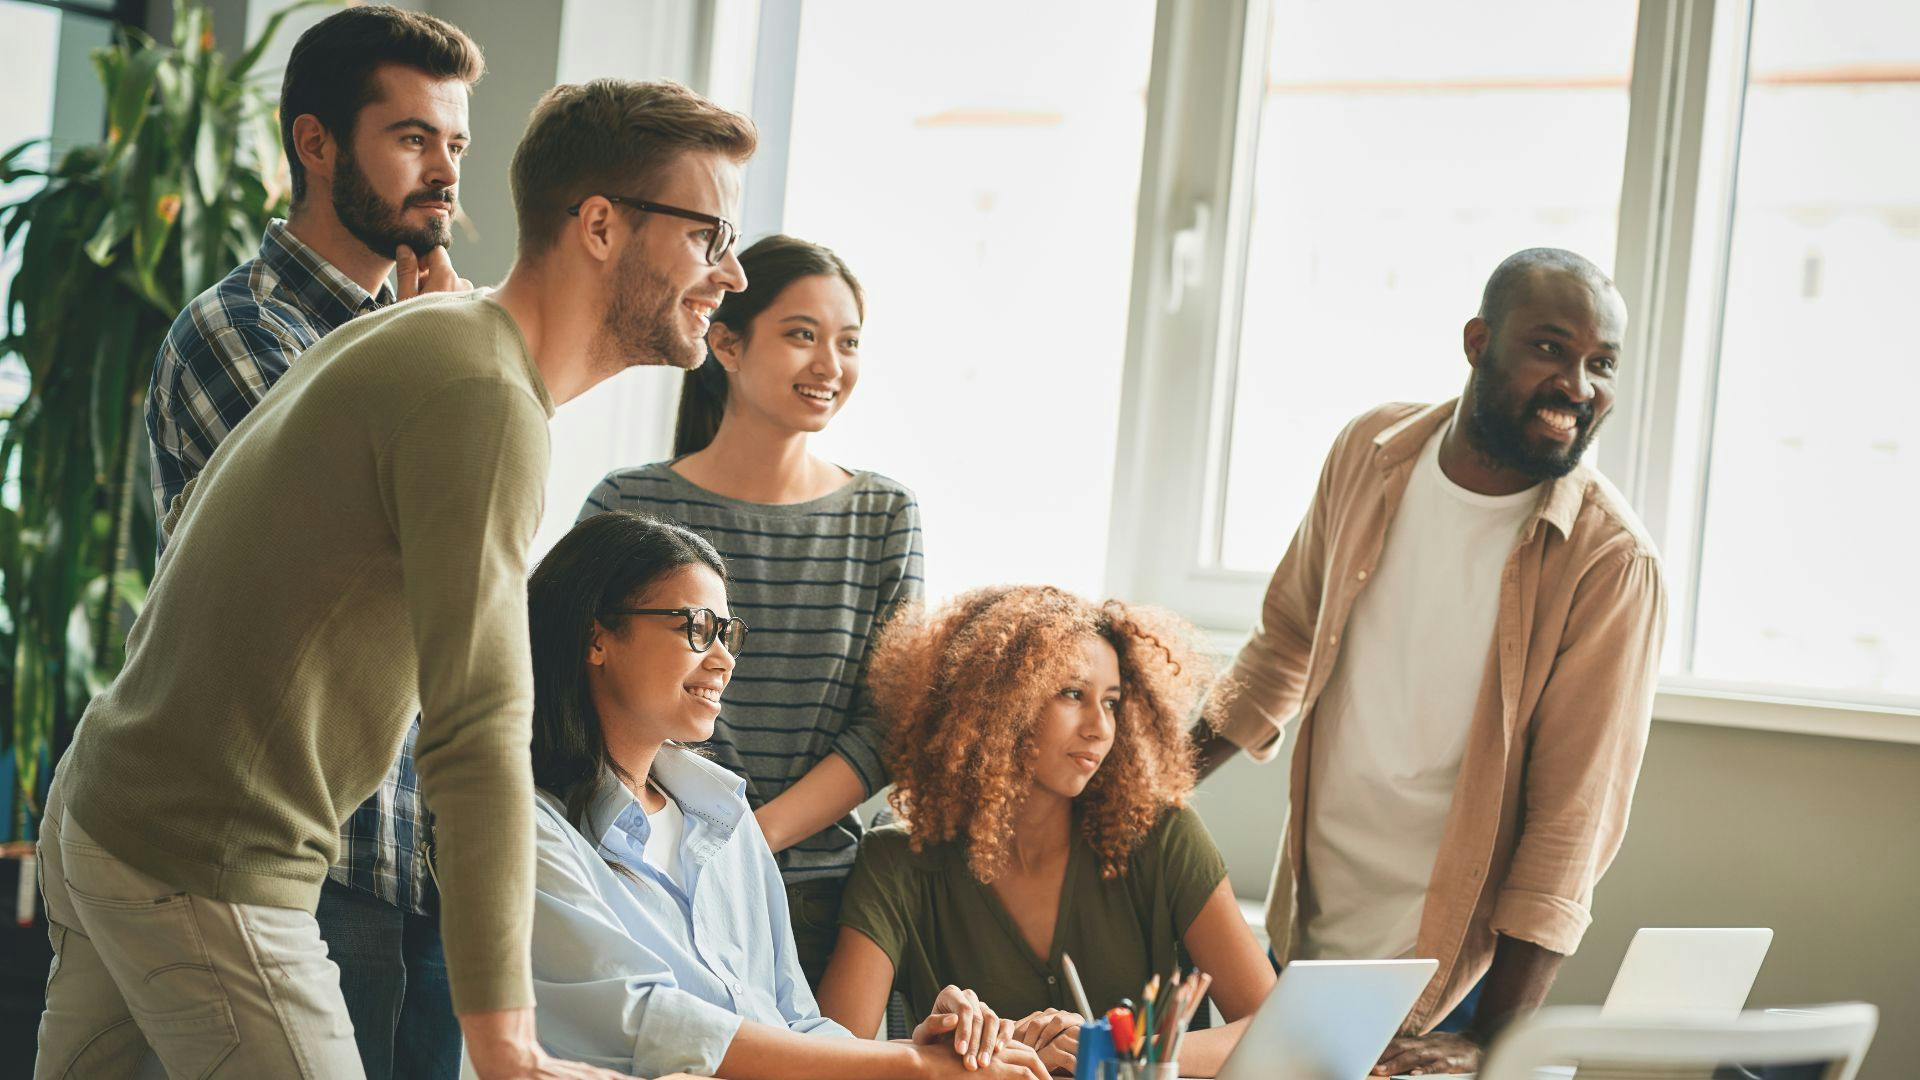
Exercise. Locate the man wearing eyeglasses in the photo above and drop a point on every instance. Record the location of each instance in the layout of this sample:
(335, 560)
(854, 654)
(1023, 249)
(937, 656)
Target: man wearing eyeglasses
(356, 553)
(1465, 632)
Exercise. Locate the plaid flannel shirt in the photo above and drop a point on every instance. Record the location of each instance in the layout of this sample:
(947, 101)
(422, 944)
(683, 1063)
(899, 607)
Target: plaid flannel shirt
(224, 352)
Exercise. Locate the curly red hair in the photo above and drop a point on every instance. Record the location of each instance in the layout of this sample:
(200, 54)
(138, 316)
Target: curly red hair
(962, 688)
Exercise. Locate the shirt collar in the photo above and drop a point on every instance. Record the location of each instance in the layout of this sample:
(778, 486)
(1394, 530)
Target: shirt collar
(320, 287)
(704, 790)
(1403, 440)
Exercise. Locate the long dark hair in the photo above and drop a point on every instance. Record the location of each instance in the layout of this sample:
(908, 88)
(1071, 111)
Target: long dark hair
(771, 265)
(601, 564)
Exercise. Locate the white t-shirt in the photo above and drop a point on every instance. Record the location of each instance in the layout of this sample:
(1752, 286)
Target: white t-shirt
(665, 827)
(1391, 725)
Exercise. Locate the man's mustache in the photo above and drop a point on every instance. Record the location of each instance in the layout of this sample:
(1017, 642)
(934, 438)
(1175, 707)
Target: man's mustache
(443, 197)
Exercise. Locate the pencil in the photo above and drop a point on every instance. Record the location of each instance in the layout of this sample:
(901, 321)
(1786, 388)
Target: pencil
(1073, 984)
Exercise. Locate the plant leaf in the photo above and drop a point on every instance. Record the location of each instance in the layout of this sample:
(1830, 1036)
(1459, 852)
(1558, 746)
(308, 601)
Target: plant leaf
(259, 47)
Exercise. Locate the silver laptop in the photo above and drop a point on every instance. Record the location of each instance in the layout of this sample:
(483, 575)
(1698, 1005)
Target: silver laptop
(1694, 973)
(1327, 1019)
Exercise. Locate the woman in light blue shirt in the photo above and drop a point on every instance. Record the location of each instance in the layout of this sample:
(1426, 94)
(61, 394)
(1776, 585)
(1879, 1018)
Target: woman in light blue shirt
(661, 940)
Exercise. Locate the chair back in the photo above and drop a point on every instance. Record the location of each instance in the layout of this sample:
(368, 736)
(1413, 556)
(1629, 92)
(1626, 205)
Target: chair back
(1836, 1036)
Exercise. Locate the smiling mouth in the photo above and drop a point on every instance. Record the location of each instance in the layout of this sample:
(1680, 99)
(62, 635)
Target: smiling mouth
(708, 694)
(815, 393)
(702, 310)
(1559, 421)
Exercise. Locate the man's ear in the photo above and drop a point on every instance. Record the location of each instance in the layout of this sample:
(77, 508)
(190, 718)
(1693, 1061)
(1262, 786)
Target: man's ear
(316, 147)
(1473, 339)
(726, 346)
(593, 229)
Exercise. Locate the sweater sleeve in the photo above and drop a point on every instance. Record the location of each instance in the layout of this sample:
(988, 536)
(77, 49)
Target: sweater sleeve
(861, 742)
(464, 476)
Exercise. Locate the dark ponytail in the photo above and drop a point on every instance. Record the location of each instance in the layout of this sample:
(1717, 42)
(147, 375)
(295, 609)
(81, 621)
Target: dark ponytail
(771, 265)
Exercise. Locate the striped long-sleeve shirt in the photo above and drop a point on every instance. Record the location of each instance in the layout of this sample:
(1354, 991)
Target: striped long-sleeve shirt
(813, 580)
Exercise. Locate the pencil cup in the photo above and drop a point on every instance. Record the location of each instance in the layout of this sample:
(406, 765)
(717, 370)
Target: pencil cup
(1096, 1049)
(1139, 1070)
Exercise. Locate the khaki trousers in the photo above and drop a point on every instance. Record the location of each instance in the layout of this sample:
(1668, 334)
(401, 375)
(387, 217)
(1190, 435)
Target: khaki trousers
(147, 978)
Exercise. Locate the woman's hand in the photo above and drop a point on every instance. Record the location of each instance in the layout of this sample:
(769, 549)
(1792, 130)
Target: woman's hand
(978, 1032)
(1054, 1034)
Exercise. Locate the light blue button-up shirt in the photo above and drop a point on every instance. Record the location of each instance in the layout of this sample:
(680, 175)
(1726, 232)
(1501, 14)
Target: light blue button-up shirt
(640, 975)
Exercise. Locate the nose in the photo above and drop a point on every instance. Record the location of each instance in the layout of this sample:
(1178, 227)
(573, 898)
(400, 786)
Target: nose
(1580, 387)
(443, 169)
(1097, 724)
(826, 360)
(719, 660)
(730, 275)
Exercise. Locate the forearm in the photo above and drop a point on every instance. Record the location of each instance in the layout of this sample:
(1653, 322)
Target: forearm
(1210, 749)
(1201, 1053)
(764, 1052)
(1516, 985)
(828, 792)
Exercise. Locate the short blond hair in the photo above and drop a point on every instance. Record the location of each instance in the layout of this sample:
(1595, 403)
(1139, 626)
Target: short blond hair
(611, 136)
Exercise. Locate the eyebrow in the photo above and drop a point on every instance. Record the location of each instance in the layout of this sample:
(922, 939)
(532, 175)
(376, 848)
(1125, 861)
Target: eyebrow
(811, 321)
(1563, 332)
(422, 125)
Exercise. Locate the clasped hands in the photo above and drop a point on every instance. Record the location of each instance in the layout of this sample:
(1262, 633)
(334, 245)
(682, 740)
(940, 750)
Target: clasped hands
(1043, 1042)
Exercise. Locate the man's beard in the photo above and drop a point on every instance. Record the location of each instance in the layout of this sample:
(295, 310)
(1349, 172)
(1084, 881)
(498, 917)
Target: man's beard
(1496, 426)
(642, 322)
(379, 224)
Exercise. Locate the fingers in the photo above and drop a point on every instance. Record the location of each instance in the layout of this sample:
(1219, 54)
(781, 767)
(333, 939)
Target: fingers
(1057, 1058)
(969, 1042)
(439, 270)
(406, 272)
(1060, 1025)
(1025, 1062)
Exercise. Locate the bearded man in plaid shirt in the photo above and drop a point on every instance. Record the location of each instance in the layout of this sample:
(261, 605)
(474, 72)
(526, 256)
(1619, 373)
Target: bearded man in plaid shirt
(374, 122)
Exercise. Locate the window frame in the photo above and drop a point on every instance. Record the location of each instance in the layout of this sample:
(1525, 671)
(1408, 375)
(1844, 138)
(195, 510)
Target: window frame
(1191, 233)
(1686, 95)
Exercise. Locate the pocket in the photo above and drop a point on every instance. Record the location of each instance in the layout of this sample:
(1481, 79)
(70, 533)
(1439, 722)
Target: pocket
(817, 910)
(150, 940)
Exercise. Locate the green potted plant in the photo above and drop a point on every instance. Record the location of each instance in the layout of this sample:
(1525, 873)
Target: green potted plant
(118, 237)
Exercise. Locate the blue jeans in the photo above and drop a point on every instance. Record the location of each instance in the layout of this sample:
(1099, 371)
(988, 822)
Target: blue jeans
(394, 977)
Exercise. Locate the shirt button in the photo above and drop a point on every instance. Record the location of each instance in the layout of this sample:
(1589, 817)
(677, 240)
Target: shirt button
(1051, 980)
(1333, 639)
(1362, 575)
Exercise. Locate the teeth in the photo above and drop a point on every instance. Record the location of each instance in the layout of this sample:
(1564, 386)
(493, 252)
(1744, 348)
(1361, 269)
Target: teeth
(817, 395)
(1558, 420)
(704, 693)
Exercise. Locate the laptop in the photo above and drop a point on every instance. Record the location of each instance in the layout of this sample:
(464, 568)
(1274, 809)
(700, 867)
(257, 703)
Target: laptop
(1700, 974)
(1327, 1019)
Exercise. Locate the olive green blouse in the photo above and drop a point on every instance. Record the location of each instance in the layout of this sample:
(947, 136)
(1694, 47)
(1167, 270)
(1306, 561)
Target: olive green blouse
(940, 925)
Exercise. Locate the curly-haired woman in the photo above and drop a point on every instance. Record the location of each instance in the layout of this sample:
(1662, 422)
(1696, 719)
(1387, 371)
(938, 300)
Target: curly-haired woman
(1041, 770)
(660, 933)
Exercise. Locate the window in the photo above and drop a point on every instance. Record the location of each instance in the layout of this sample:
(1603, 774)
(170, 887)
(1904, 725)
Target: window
(1393, 172)
(1741, 165)
(1804, 566)
(982, 184)
(49, 87)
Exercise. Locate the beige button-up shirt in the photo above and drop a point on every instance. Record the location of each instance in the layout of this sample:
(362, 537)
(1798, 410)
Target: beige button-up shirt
(1555, 742)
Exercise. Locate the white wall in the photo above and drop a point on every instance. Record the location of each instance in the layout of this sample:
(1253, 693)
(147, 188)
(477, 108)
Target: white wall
(1816, 837)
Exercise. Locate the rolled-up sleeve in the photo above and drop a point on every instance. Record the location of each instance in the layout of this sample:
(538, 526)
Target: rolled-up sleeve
(603, 997)
(1583, 759)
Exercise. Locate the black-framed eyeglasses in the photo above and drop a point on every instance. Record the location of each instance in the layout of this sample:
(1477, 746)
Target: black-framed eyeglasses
(703, 626)
(724, 231)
